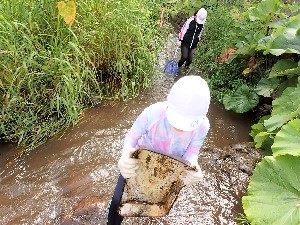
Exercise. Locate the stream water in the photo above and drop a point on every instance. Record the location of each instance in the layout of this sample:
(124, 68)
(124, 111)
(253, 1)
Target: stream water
(71, 178)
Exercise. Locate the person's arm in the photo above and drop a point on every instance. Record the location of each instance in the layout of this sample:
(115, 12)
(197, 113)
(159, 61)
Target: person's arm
(190, 177)
(138, 129)
(126, 163)
(192, 152)
(193, 149)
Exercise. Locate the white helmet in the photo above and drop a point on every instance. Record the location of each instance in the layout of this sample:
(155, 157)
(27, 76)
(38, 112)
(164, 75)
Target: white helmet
(188, 103)
(201, 16)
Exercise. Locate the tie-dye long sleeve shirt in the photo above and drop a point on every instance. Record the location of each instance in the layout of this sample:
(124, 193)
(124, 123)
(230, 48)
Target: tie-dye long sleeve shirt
(152, 131)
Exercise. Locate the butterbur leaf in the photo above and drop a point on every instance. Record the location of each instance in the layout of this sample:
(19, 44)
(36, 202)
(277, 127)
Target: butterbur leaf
(288, 41)
(67, 11)
(263, 140)
(263, 11)
(244, 50)
(285, 67)
(287, 140)
(274, 192)
(284, 84)
(293, 7)
(285, 108)
(284, 104)
(266, 86)
(242, 100)
(276, 121)
(261, 137)
(257, 128)
(246, 71)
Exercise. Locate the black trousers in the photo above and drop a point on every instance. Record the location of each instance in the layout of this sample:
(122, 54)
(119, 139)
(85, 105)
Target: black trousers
(114, 218)
(187, 55)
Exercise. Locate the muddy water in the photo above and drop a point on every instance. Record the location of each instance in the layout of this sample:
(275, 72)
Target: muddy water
(71, 178)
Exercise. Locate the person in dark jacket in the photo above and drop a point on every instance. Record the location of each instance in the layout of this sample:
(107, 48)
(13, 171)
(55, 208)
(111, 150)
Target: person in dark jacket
(190, 35)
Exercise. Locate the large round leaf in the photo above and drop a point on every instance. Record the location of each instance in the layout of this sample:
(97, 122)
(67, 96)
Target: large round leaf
(287, 39)
(264, 10)
(274, 192)
(242, 100)
(266, 86)
(285, 67)
(287, 140)
(285, 108)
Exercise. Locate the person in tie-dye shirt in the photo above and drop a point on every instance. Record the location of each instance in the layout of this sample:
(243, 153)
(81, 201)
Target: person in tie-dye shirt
(175, 127)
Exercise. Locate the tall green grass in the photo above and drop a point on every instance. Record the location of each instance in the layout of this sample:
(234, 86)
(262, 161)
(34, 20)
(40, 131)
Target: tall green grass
(50, 71)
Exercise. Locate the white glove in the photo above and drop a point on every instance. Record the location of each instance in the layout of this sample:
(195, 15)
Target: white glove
(190, 177)
(128, 165)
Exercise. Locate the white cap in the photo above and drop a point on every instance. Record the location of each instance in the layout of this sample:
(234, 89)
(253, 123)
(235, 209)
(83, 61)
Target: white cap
(188, 103)
(201, 16)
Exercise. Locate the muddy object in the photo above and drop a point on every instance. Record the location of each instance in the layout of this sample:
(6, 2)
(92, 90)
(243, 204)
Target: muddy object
(88, 207)
(88, 211)
(155, 188)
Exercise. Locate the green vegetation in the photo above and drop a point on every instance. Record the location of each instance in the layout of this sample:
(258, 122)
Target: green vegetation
(59, 58)
(274, 190)
(216, 44)
(262, 58)
(271, 36)
(251, 55)
(242, 100)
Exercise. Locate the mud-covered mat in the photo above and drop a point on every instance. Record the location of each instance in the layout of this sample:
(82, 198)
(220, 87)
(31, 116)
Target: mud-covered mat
(155, 188)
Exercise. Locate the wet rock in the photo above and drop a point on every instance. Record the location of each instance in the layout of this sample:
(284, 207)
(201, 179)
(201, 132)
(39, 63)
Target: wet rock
(243, 157)
(236, 162)
(96, 101)
(88, 206)
(88, 211)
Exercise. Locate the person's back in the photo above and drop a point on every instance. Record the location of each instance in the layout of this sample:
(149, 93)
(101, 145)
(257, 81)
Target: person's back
(190, 35)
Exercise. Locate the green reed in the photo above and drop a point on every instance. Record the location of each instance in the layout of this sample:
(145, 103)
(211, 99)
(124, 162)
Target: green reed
(50, 72)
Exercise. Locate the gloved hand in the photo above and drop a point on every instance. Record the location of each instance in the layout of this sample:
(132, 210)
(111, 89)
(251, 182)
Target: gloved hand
(128, 165)
(190, 177)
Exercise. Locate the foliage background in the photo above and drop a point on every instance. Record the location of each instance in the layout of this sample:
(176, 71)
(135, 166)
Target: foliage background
(251, 59)
(263, 40)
